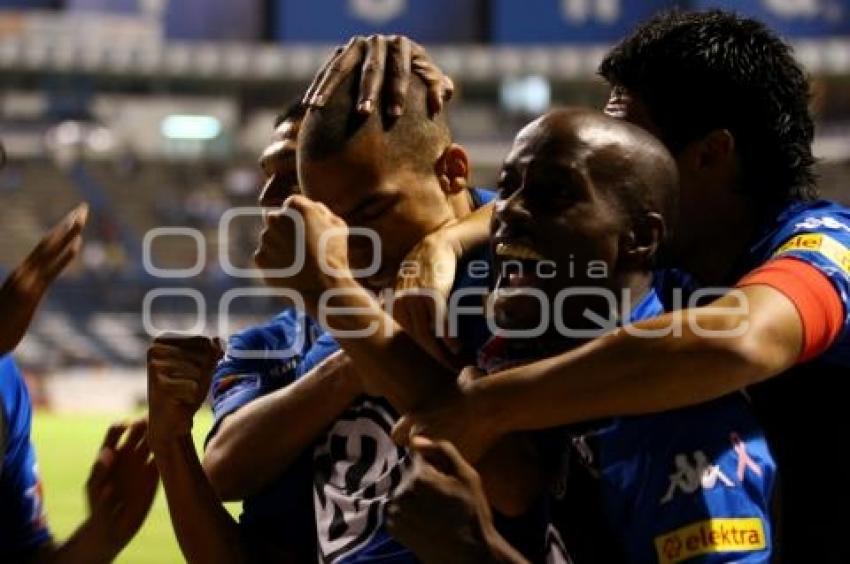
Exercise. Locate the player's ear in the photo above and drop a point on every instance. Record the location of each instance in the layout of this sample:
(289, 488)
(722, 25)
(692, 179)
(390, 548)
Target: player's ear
(644, 240)
(452, 169)
(713, 152)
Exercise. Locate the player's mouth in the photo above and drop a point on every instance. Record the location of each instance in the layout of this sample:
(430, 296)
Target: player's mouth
(518, 264)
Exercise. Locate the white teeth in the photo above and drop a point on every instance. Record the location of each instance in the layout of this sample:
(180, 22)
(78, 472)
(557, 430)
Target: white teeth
(517, 251)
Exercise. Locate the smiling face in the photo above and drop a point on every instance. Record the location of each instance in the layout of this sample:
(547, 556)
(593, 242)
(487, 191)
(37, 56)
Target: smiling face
(569, 213)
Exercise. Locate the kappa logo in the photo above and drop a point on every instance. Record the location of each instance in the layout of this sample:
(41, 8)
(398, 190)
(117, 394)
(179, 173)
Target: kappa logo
(701, 474)
(711, 536)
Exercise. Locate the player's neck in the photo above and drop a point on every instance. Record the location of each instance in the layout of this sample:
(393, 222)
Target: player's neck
(717, 251)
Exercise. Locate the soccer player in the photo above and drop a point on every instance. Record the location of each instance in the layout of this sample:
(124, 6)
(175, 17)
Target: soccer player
(403, 178)
(582, 204)
(728, 99)
(123, 479)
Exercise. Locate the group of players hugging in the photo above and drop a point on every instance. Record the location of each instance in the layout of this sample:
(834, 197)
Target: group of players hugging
(630, 351)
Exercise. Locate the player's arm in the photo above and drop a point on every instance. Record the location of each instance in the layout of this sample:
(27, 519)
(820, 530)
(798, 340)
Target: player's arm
(389, 361)
(120, 491)
(258, 441)
(27, 284)
(744, 337)
(442, 514)
(178, 377)
(419, 293)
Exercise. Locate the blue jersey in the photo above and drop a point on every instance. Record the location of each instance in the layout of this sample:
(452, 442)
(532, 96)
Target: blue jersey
(260, 360)
(802, 410)
(817, 233)
(354, 467)
(686, 483)
(358, 466)
(23, 525)
(668, 487)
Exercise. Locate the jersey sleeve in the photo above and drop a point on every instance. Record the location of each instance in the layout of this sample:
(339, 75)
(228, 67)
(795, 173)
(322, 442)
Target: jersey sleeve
(258, 361)
(23, 523)
(816, 300)
(823, 242)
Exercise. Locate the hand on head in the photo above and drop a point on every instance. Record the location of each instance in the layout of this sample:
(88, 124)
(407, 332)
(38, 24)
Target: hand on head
(387, 62)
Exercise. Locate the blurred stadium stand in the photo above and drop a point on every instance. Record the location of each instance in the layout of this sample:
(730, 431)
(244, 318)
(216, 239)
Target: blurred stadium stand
(154, 111)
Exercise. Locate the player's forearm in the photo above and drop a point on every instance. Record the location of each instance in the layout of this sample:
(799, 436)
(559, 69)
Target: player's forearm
(470, 232)
(260, 440)
(626, 374)
(387, 358)
(84, 546)
(512, 475)
(205, 531)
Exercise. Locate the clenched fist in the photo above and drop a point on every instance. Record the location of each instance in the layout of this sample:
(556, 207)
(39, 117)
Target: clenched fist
(308, 237)
(179, 373)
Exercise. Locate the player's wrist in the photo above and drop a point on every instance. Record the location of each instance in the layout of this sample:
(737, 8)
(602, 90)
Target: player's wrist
(91, 542)
(489, 412)
(167, 437)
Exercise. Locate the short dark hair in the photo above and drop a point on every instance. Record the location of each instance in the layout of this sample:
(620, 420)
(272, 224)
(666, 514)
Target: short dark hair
(293, 112)
(701, 71)
(415, 139)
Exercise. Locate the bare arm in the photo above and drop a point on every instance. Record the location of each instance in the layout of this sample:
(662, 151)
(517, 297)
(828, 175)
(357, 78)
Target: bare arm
(178, 377)
(205, 530)
(27, 284)
(120, 491)
(257, 442)
(626, 374)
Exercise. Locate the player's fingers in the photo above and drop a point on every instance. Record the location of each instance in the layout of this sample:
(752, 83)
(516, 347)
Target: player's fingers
(61, 235)
(59, 263)
(445, 457)
(135, 434)
(180, 389)
(337, 71)
(398, 72)
(113, 435)
(372, 73)
(167, 349)
(161, 357)
(175, 368)
(102, 467)
(440, 88)
(402, 430)
(317, 78)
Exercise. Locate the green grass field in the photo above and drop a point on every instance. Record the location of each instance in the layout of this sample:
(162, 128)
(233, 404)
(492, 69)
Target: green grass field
(66, 446)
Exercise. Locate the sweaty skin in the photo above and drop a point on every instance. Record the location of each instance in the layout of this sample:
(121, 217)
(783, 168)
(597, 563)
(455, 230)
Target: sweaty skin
(634, 375)
(580, 211)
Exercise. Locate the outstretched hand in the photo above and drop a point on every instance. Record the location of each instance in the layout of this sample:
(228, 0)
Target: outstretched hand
(25, 287)
(120, 488)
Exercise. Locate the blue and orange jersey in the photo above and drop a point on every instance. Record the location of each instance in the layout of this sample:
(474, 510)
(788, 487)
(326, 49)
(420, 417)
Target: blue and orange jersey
(802, 410)
(814, 234)
(23, 523)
